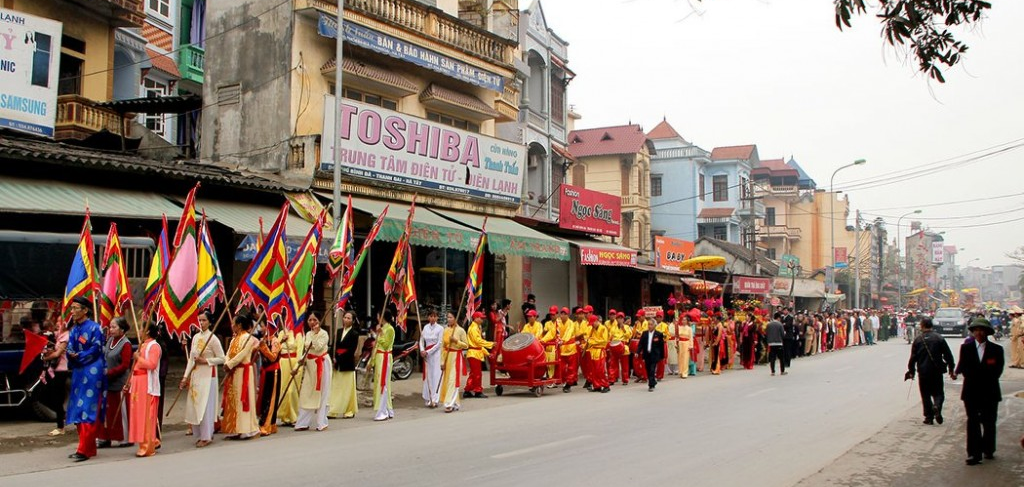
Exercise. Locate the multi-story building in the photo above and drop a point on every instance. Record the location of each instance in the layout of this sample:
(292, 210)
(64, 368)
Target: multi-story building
(728, 209)
(617, 160)
(677, 169)
(778, 186)
(543, 113)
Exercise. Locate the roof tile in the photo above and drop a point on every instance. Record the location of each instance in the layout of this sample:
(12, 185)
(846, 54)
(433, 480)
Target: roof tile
(739, 152)
(623, 139)
(664, 131)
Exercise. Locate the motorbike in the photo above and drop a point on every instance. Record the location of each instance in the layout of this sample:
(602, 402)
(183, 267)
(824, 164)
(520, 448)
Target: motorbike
(403, 354)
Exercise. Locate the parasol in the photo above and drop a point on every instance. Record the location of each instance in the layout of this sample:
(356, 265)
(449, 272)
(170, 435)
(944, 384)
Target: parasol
(702, 263)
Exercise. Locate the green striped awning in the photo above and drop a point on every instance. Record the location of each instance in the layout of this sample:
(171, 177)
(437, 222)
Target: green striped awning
(428, 229)
(507, 237)
(22, 195)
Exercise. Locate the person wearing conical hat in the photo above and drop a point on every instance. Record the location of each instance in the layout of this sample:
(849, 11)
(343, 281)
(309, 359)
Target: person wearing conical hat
(1016, 338)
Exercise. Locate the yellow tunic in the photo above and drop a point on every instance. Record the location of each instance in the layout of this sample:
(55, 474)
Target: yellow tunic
(309, 396)
(453, 364)
(567, 335)
(597, 341)
(291, 348)
(478, 347)
(534, 329)
(547, 338)
(240, 361)
(639, 327)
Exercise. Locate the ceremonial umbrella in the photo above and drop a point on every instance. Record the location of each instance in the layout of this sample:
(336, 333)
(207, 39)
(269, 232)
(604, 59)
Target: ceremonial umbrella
(703, 263)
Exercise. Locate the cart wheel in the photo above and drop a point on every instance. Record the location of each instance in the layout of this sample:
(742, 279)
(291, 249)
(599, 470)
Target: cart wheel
(538, 391)
(499, 390)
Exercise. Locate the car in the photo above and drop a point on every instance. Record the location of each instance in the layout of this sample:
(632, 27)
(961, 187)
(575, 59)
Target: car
(949, 321)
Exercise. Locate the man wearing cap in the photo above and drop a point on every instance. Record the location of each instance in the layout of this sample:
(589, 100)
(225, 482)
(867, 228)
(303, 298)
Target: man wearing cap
(981, 364)
(618, 351)
(532, 326)
(477, 353)
(584, 327)
(597, 343)
(88, 377)
(549, 338)
(568, 358)
(1016, 338)
(931, 357)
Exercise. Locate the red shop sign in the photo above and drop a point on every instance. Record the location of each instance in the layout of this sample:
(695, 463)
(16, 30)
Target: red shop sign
(589, 211)
(751, 285)
(611, 257)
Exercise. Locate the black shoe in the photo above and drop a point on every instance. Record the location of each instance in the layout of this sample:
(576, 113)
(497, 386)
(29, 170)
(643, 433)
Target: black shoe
(103, 444)
(468, 395)
(78, 457)
(480, 395)
(928, 421)
(566, 389)
(588, 387)
(973, 461)
(73, 455)
(990, 456)
(938, 418)
(650, 389)
(606, 389)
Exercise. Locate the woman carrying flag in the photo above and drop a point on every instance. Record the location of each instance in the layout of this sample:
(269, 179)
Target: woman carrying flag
(453, 365)
(344, 403)
(202, 403)
(382, 369)
(240, 413)
(144, 391)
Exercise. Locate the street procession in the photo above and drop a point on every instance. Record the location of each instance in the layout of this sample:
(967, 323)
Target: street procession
(496, 241)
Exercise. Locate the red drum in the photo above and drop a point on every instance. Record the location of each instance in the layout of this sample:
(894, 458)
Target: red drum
(517, 351)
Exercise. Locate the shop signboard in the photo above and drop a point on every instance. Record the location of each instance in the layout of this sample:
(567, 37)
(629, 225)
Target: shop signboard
(938, 251)
(29, 71)
(589, 211)
(606, 256)
(840, 256)
(789, 263)
(396, 149)
(669, 252)
(752, 285)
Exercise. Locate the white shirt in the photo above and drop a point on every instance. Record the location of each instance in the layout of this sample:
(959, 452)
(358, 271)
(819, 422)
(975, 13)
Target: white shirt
(875, 323)
(430, 337)
(981, 350)
(650, 339)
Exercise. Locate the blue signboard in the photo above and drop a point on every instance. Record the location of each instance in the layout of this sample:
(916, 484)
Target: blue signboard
(358, 35)
(247, 249)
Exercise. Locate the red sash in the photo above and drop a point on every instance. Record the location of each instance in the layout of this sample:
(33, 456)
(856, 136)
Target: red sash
(245, 386)
(459, 369)
(384, 369)
(319, 359)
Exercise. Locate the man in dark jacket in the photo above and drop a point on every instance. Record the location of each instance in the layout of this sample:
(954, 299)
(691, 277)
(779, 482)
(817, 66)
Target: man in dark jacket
(790, 334)
(981, 364)
(931, 357)
(775, 338)
(652, 351)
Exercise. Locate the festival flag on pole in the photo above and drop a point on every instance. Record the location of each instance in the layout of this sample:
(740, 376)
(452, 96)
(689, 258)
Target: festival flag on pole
(343, 250)
(302, 272)
(82, 277)
(209, 282)
(348, 279)
(475, 280)
(116, 291)
(265, 282)
(397, 283)
(34, 345)
(157, 270)
(179, 310)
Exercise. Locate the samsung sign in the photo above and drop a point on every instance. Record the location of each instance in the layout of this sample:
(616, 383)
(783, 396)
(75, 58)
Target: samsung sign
(29, 56)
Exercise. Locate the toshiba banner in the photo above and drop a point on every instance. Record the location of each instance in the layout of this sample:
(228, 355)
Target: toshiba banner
(589, 211)
(669, 252)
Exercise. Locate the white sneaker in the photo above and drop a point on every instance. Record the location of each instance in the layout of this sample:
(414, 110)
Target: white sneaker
(56, 432)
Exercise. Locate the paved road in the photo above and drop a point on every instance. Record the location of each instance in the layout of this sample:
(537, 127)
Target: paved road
(742, 428)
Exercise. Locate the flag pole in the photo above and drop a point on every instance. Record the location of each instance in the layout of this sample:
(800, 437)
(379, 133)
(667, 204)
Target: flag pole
(213, 335)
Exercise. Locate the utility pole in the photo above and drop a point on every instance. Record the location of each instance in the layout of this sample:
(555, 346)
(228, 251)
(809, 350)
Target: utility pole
(856, 253)
(751, 223)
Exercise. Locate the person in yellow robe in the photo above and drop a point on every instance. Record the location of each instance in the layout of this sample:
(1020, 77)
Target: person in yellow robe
(243, 381)
(597, 343)
(453, 365)
(583, 330)
(618, 350)
(382, 393)
(568, 357)
(290, 358)
(685, 335)
(662, 327)
(532, 326)
(549, 338)
(671, 341)
(479, 349)
(316, 377)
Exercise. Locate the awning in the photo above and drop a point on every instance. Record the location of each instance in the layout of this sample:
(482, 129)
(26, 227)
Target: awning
(801, 287)
(428, 229)
(244, 218)
(596, 252)
(507, 237)
(18, 195)
(664, 276)
(456, 103)
(361, 73)
(702, 286)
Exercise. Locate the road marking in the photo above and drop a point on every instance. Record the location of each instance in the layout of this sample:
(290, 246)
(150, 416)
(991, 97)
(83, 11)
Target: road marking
(543, 446)
(843, 369)
(762, 391)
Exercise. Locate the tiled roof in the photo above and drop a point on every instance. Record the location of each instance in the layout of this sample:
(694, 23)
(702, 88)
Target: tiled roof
(740, 152)
(164, 62)
(557, 149)
(39, 151)
(716, 212)
(741, 252)
(775, 168)
(469, 102)
(157, 36)
(623, 139)
(371, 71)
(664, 131)
(775, 164)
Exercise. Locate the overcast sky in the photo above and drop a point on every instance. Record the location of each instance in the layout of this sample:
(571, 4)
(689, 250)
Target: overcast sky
(780, 75)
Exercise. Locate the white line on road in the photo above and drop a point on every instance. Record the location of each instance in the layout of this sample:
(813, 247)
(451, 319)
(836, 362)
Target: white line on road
(762, 391)
(540, 447)
(843, 369)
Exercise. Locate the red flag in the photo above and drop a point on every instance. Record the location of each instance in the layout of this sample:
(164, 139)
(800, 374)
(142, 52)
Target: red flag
(34, 345)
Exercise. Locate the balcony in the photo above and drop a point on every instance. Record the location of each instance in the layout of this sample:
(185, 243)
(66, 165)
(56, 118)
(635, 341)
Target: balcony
(190, 62)
(767, 189)
(635, 201)
(753, 209)
(428, 22)
(120, 13)
(79, 117)
(508, 104)
(304, 152)
(778, 231)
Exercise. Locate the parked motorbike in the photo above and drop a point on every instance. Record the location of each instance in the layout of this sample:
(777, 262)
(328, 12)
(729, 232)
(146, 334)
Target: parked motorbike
(403, 356)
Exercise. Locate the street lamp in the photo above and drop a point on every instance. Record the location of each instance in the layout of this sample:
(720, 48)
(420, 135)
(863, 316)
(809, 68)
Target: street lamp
(832, 215)
(899, 276)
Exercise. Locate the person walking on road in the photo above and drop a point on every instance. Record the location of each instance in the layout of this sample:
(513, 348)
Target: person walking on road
(981, 364)
(931, 357)
(1016, 338)
(774, 336)
(652, 350)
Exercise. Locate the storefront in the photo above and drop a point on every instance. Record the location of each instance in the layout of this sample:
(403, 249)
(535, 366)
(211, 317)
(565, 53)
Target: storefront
(800, 292)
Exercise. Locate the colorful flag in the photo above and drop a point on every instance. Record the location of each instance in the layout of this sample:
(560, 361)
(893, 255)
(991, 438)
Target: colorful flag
(398, 283)
(179, 310)
(34, 345)
(265, 282)
(475, 280)
(157, 270)
(398, 265)
(210, 281)
(348, 280)
(116, 291)
(343, 250)
(302, 273)
(82, 277)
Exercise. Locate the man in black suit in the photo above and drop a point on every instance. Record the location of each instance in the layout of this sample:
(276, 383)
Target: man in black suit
(931, 357)
(981, 364)
(652, 351)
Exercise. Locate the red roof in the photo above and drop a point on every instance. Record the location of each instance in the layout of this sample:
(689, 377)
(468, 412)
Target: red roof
(164, 62)
(715, 212)
(740, 152)
(775, 164)
(664, 131)
(624, 139)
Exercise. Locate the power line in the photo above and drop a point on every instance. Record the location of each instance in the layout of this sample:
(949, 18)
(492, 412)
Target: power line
(930, 205)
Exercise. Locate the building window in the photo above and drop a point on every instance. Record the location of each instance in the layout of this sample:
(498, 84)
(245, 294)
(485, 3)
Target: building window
(769, 216)
(743, 188)
(702, 231)
(721, 232)
(557, 99)
(371, 99)
(154, 89)
(720, 188)
(70, 78)
(579, 175)
(41, 56)
(656, 185)
(771, 254)
(161, 8)
(453, 121)
(701, 187)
